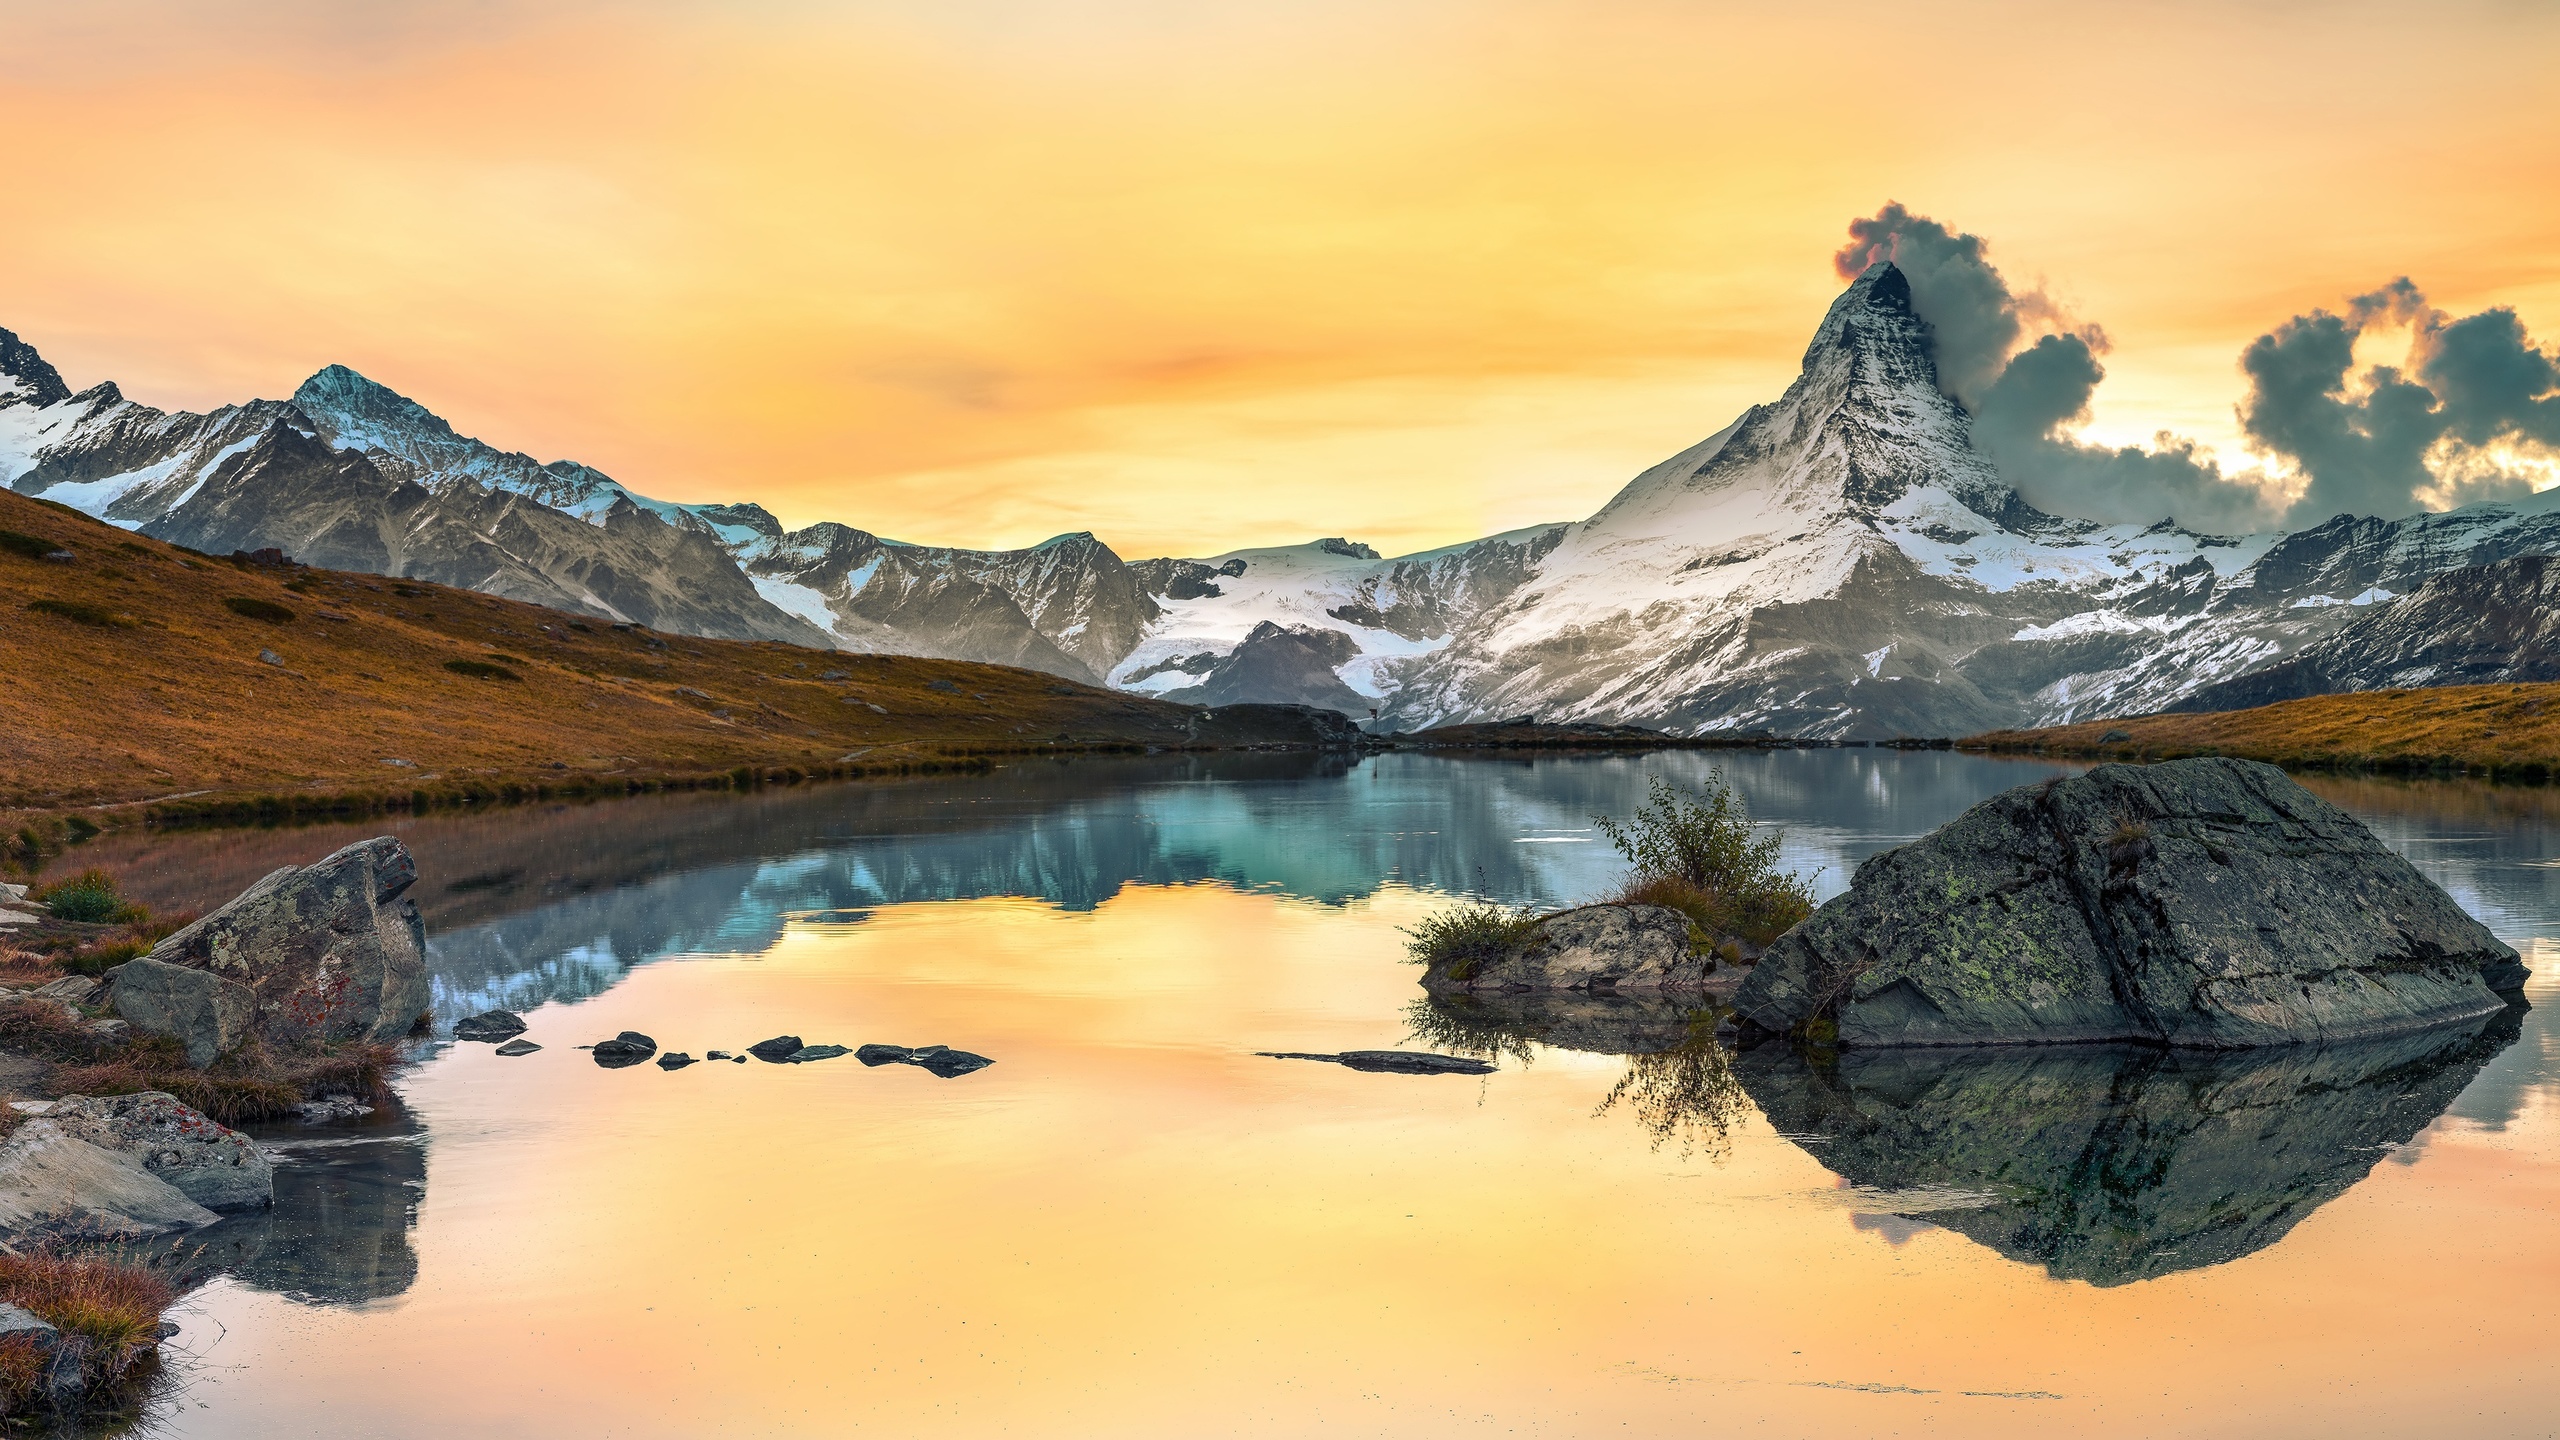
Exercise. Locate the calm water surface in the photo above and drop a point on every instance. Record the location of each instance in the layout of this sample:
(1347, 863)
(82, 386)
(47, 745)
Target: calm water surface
(1131, 1225)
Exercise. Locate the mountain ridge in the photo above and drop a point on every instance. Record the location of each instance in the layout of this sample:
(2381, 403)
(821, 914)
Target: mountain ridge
(1841, 562)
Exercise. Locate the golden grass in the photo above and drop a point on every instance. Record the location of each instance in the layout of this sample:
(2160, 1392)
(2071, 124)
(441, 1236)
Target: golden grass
(134, 674)
(249, 1084)
(2505, 731)
(108, 1315)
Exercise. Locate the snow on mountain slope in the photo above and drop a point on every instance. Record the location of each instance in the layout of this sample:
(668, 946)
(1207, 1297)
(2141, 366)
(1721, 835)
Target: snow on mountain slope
(1840, 562)
(1392, 611)
(1843, 563)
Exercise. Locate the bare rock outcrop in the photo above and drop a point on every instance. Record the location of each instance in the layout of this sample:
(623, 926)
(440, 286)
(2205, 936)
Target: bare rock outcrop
(309, 955)
(2210, 902)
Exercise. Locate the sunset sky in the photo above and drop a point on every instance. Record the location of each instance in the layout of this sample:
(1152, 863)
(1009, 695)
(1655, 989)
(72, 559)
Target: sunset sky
(1195, 274)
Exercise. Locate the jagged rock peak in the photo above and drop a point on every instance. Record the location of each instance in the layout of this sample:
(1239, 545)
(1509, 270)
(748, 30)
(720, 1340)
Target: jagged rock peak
(1347, 549)
(1874, 315)
(25, 377)
(337, 390)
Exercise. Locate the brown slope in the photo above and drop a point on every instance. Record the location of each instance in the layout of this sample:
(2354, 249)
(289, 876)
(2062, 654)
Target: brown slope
(2501, 730)
(152, 686)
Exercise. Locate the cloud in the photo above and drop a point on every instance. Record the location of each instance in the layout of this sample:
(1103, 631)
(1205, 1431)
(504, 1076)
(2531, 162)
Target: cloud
(1978, 319)
(2472, 413)
(2027, 402)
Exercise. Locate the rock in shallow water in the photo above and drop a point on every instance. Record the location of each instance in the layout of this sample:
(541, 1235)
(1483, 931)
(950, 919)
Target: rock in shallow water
(1391, 1062)
(942, 1060)
(777, 1050)
(1599, 949)
(628, 1048)
(489, 1025)
(807, 1053)
(674, 1060)
(2207, 902)
(518, 1047)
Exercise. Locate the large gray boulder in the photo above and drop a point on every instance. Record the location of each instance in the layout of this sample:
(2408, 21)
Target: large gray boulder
(210, 1015)
(1598, 949)
(328, 951)
(215, 1166)
(2207, 902)
(56, 1186)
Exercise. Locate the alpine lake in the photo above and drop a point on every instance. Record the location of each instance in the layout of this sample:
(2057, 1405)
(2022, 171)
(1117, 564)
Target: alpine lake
(1133, 1224)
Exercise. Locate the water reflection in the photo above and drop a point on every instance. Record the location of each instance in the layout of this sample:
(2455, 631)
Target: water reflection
(2111, 1164)
(1677, 1083)
(338, 1234)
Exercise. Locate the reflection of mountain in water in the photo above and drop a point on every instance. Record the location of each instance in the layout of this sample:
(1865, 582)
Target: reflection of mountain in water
(2117, 1164)
(339, 1231)
(517, 921)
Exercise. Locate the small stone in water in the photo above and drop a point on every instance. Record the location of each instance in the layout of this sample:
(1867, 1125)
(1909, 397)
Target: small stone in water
(674, 1060)
(628, 1048)
(776, 1050)
(518, 1047)
(489, 1025)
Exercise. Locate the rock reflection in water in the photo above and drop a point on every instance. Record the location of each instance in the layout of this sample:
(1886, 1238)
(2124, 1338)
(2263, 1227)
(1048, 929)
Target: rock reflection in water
(1677, 1083)
(339, 1231)
(2119, 1164)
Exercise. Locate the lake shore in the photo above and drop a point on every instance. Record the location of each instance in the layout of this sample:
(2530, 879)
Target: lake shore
(2497, 732)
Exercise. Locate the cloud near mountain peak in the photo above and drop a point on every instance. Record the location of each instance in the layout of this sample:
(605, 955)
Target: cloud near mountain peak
(2471, 413)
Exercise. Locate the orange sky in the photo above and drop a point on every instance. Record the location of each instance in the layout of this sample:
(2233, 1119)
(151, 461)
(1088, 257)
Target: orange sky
(1195, 274)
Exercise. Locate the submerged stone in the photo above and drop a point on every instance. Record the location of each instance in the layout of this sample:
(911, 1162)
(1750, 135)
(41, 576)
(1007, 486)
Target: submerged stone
(628, 1048)
(518, 1047)
(489, 1025)
(2207, 902)
(1391, 1062)
(807, 1053)
(942, 1060)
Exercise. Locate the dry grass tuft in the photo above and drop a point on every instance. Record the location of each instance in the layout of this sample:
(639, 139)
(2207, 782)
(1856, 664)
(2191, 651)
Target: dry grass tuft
(108, 1315)
(249, 1084)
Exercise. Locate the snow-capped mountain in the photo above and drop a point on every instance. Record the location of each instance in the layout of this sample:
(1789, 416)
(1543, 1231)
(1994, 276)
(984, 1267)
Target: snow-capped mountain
(1841, 562)
(2494, 624)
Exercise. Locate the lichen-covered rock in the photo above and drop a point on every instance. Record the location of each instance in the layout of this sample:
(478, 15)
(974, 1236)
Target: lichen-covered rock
(1598, 949)
(208, 1014)
(2205, 902)
(330, 950)
(208, 1162)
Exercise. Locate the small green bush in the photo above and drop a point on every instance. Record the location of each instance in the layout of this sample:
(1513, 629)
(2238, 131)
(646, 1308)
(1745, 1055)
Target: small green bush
(88, 898)
(31, 546)
(254, 609)
(1694, 851)
(78, 613)
(1458, 942)
(481, 670)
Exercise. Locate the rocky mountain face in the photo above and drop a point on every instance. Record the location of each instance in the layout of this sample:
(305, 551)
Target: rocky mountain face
(2492, 624)
(1839, 563)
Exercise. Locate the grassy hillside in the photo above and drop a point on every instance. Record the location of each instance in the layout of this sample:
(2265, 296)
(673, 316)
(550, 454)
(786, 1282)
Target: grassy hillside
(139, 672)
(2507, 731)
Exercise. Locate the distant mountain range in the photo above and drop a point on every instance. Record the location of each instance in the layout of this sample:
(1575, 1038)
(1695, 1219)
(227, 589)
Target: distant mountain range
(1840, 563)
